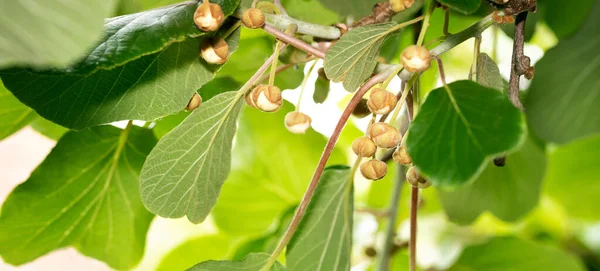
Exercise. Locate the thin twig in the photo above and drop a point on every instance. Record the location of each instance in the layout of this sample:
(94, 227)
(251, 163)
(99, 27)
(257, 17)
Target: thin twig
(519, 60)
(441, 69)
(412, 244)
(446, 21)
(390, 233)
(293, 41)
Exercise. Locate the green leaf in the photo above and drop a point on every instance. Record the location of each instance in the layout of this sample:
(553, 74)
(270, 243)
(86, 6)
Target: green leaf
(135, 35)
(323, 240)
(311, 11)
(459, 128)
(572, 177)
(184, 173)
(321, 88)
(565, 17)
(488, 73)
(48, 128)
(85, 194)
(354, 8)
(563, 106)
(204, 248)
(353, 58)
(276, 172)
(508, 192)
(253, 262)
(14, 115)
(464, 6)
(510, 253)
(50, 32)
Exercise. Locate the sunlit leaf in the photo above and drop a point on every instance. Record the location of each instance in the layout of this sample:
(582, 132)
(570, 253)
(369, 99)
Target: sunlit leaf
(13, 114)
(253, 262)
(200, 249)
(48, 128)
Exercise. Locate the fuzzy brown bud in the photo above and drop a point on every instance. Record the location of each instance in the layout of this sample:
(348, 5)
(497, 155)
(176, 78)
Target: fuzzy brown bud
(214, 51)
(297, 122)
(384, 135)
(266, 98)
(415, 58)
(401, 156)
(194, 102)
(364, 147)
(208, 16)
(415, 179)
(400, 5)
(381, 101)
(373, 169)
(253, 18)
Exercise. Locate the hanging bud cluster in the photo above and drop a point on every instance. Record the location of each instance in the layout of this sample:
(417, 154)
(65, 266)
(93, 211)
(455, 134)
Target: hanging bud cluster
(415, 58)
(415, 179)
(380, 135)
(214, 50)
(381, 101)
(400, 5)
(208, 16)
(253, 18)
(297, 122)
(384, 135)
(265, 97)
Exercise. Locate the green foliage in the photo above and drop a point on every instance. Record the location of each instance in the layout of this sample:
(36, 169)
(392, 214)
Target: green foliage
(565, 17)
(253, 262)
(322, 86)
(323, 240)
(510, 253)
(48, 128)
(354, 8)
(464, 6)
(572, 177)
(185, 171)
(91, 202)
(204, 248)
(354, 56)
(508, 192)
(459, 128)
(259, 189)
(488, 73)
(562, 104)
(51, 32)
(13, 114)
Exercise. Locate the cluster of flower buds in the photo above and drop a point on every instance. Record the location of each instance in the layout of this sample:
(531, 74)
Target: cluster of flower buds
(214, 50)
(415, 58)
(381, 101)
(253, 18)
(265, 97)
(208, 16)
(380, 135)
(297, 122)
(414, 178)
(400, 5)
(194, 102)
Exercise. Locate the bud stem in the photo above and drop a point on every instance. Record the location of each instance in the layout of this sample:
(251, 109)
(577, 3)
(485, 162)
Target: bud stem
(303, 85)
(291, 29)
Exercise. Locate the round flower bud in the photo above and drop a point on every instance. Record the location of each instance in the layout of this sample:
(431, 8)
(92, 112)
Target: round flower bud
(208, 16)
(415, 179)
(364, 147)
(381, 101)
(415, 58)
(384, 135)
(249, 101)
(214, 51)
(297, 122)
(253, 18)
(400, 5)
(373, 169)
(194, 102)
(401, 156)
(266, 98)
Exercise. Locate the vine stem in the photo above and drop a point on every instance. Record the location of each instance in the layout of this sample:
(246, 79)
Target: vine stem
(412, 244)
(378, 78)
(517, 56)
(293, 41)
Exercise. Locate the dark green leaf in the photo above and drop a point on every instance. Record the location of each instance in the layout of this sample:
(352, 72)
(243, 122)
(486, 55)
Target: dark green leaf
(253, 262)
(276, 172)
(50, 32)
(508, 192)
(323, 240)
(204, 248)
(565, 17)
(461, 127)
(48, 128)
(13, 114)
(510, 253)
(184, 173)
(321, 88)
(488, 73)
(85, 194)
(562, 104)
(573, 177)
(353, 58)
(464, 6)
(355, 8)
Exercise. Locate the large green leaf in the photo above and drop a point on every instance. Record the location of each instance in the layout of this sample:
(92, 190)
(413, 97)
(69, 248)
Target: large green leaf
(184, 173)
(353, 58)
(508, 192)
(464, 6)
(573, 177)
(135, 35)
(204, 248)
(13, 114)
(459, 128)
(510, 253)
(50, 32)
(253, 262)
(85, 194)
(354, 8)
(562, 104)
(48, 128)
(565, 17)
(323, 240)
(271, 169)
